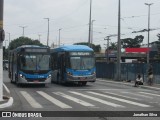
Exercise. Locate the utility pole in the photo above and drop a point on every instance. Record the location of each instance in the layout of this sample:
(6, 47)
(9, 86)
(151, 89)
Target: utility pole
(90, 18)
(118, 77)
(59, 42)
(23, 30)
(9, 40)
(92, 33)
(148, 29)
(108, 38)
(48, 31)
(39, 37)
(1, 49)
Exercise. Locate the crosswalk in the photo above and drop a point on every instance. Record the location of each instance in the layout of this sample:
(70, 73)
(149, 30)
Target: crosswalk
(88, 99)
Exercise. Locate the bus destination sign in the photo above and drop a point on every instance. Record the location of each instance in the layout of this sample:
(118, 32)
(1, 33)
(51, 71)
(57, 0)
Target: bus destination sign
(80, 53)
(36, 50)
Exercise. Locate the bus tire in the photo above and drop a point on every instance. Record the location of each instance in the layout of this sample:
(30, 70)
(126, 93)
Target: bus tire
(58, 79)
(11, 81)
(16, 81)
(84, 83)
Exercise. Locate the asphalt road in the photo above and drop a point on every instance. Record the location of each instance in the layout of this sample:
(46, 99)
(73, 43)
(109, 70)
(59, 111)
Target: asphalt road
(98, 97)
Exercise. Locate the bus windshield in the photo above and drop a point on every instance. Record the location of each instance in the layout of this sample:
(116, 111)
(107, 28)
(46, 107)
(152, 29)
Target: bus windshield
(34, 62)
(82, 63)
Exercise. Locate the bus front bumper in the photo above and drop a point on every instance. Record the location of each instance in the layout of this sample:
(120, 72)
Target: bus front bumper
(90, 78)
(34, 81)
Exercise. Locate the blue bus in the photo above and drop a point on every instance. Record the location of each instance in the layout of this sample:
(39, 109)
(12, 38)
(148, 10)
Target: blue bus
(30, 64)
(73, 63)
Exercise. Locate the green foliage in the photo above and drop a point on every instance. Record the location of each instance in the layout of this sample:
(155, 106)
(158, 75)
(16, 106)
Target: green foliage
(113, 46)
(23, 41)
(96, 48)
(158, 36)
(132, 43)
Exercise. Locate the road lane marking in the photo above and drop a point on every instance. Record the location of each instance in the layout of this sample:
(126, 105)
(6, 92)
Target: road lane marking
(150, 94)
(30, 100)
(97, 99)
(123, 96)
(119, 99)
(138, 95)
(53, 100)
(74, 99)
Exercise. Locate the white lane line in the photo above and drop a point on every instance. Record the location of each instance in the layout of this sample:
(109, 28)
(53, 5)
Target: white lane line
(150, 94)
(138, 95)
(121, 100)
(122, 96)
(30, 100)
(53, 100)
(97, 99)
(74, 99)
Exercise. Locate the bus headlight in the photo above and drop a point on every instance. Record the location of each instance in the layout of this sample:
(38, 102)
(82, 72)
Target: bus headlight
(69, 73)
(93, 73)
(21, 75)
(49, 75)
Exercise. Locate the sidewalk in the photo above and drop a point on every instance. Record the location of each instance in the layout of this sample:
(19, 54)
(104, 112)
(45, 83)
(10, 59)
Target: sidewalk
(153, 87)
(7, 99)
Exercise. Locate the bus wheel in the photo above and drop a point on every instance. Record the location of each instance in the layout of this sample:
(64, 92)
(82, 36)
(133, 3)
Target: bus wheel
(16, 81)
(11, 80)
(58, 79)
(84, 83)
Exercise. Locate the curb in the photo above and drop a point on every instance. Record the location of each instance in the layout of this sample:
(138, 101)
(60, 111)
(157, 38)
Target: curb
(131, 84)
(8, 101)
(7, 104)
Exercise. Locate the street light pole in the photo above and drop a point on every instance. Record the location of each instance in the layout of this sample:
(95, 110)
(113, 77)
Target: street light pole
(90, 18)
(59, 42)
(39, 37)
(108, 38)
(148, 29)
(1, 50)
(119, 43)
(48, 31)
(23, 30)
(92, 32)
(9, 40)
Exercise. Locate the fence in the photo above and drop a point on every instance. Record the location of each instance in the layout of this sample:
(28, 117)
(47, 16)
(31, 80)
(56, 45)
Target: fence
(129, 71)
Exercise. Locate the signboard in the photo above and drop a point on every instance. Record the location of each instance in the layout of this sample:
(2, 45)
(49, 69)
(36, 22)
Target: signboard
(35, 50)
(80, 53)
(137, 50)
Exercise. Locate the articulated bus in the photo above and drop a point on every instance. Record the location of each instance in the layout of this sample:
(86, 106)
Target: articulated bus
(30, 64)
(73, 63)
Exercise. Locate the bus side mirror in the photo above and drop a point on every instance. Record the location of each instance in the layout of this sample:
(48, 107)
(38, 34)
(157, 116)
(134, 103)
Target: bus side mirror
(2, 35)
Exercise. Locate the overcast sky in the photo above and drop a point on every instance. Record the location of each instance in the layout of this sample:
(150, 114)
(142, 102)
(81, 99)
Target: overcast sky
(72, 16)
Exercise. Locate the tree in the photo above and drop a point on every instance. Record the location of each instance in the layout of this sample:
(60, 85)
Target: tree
(23, 41)
(96, 48)
(113, 46)
(132, 43)
(158, 36)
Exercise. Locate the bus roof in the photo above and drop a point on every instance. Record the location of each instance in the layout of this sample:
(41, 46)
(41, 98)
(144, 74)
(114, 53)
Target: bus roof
(18, 49)
(72, 48)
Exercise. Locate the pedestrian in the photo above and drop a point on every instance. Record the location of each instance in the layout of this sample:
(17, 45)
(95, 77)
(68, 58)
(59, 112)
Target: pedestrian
(139, 81)
(150, 75)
